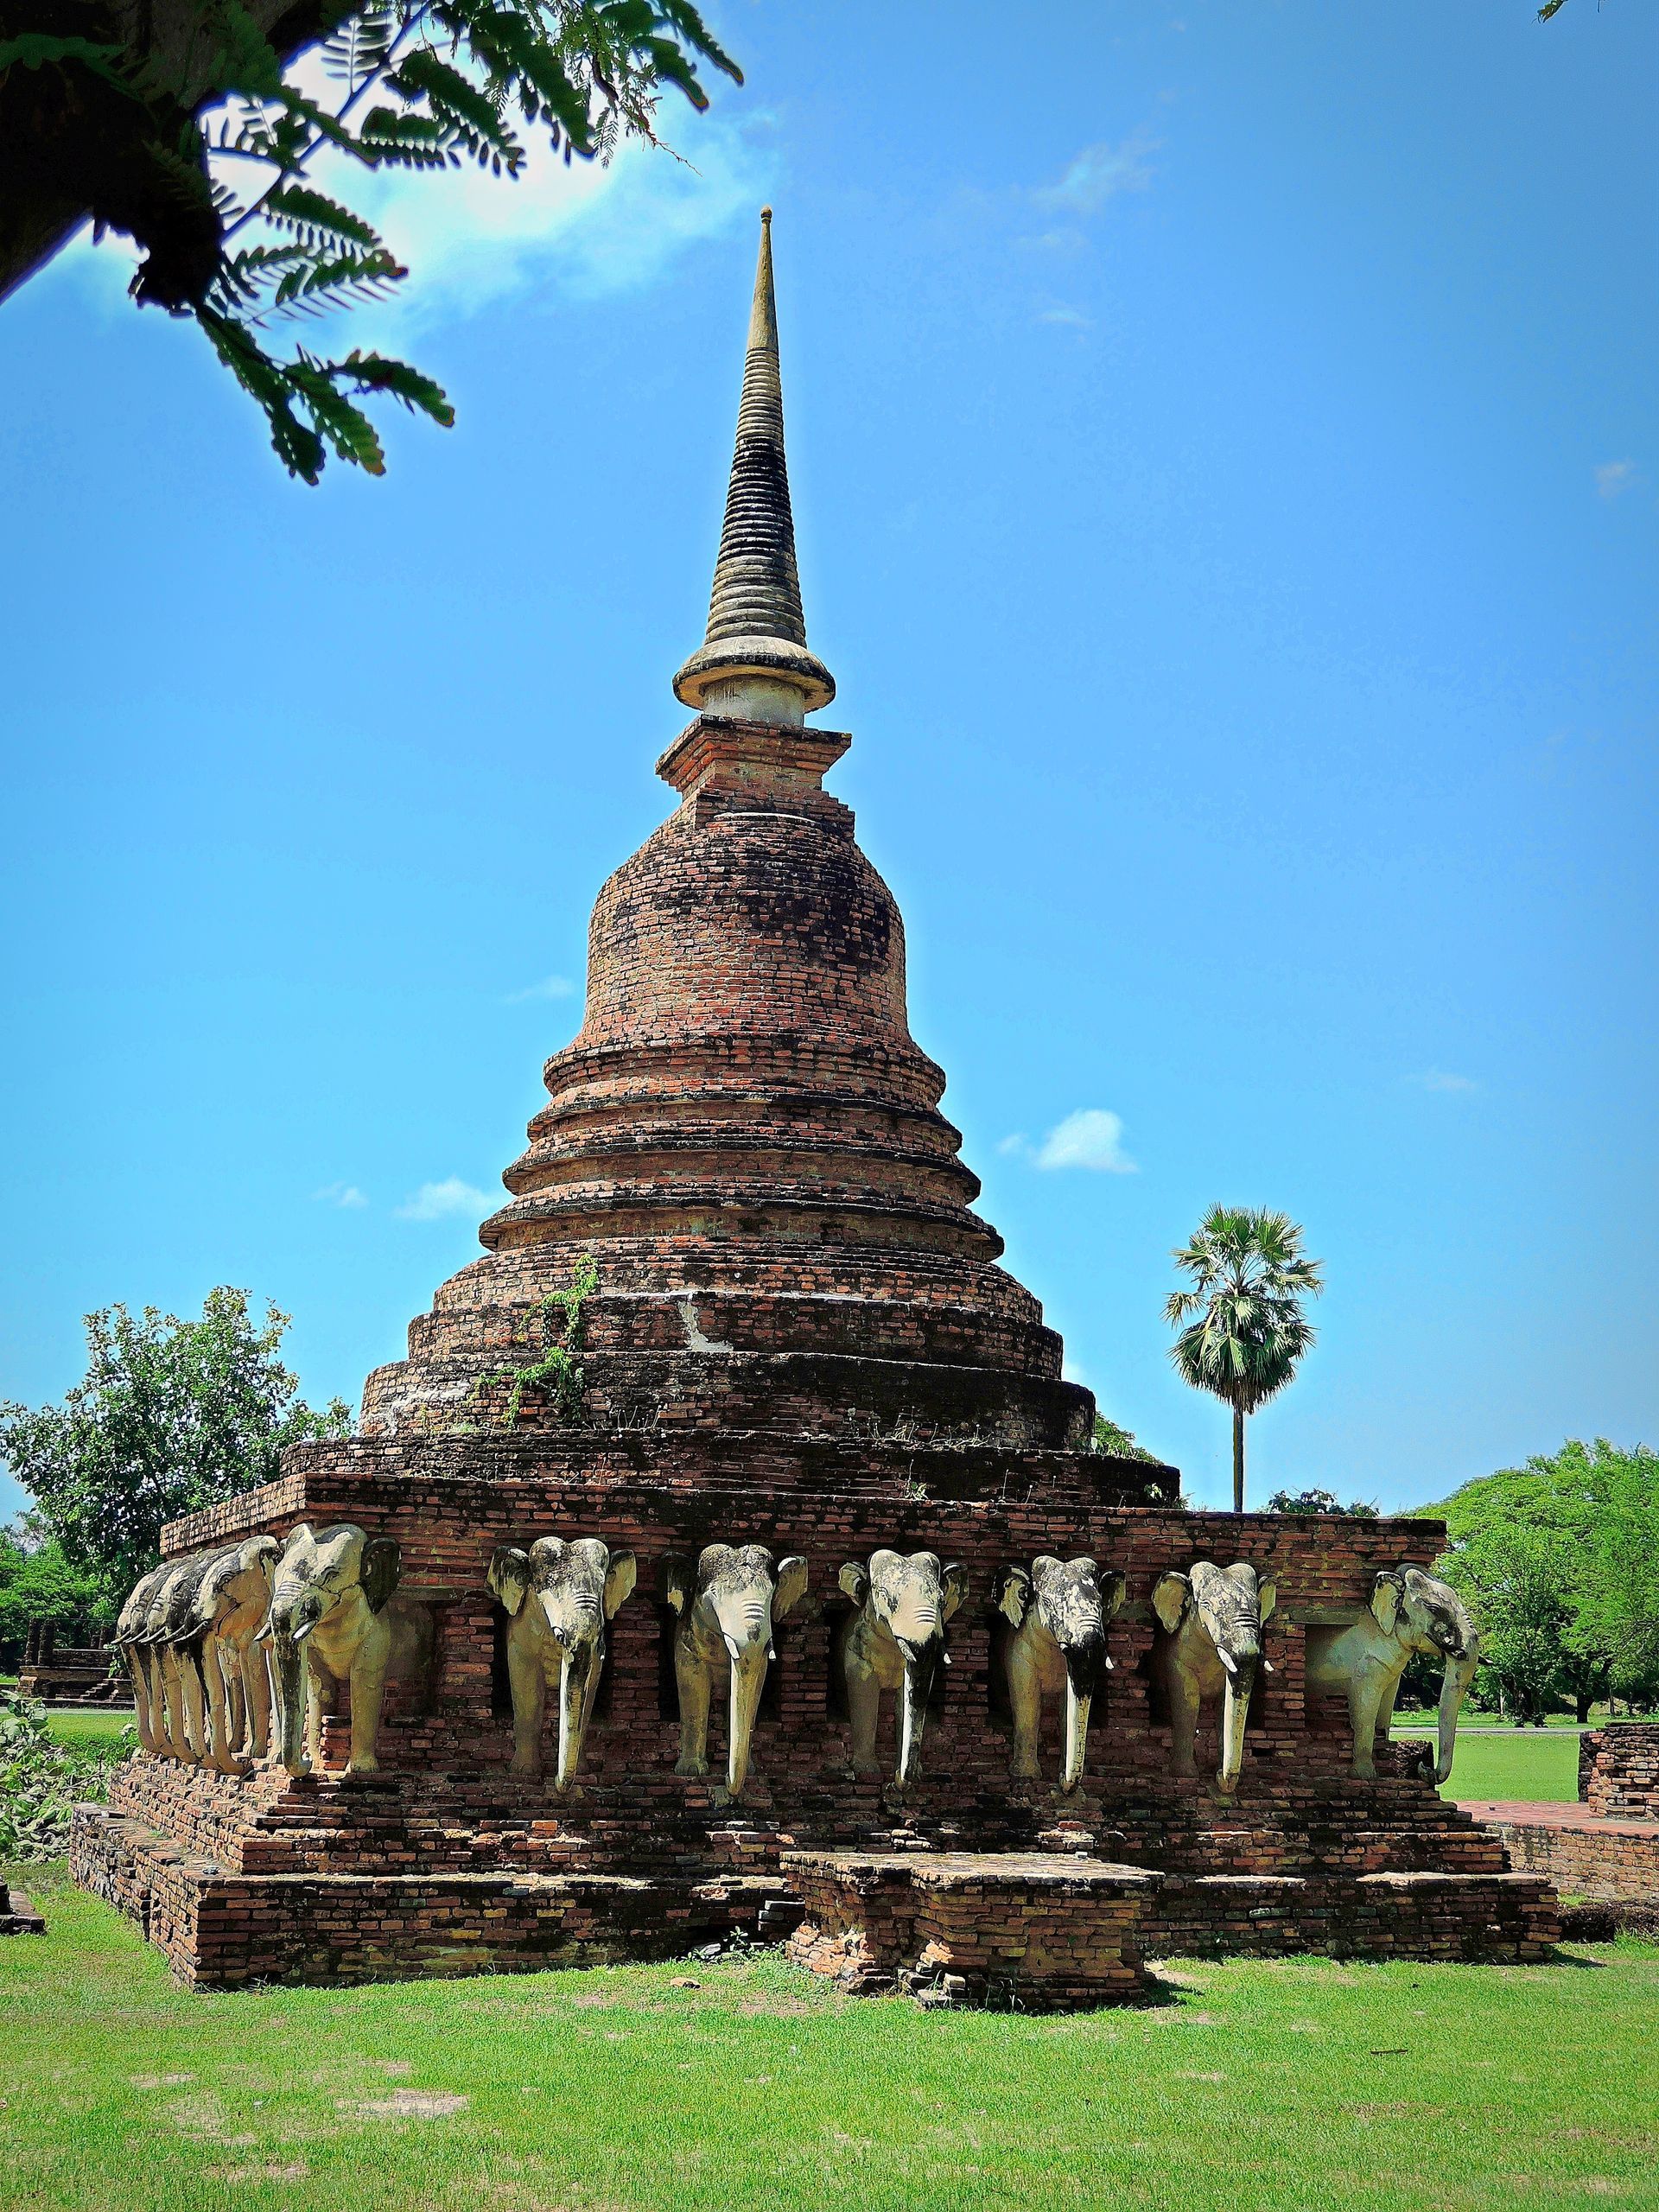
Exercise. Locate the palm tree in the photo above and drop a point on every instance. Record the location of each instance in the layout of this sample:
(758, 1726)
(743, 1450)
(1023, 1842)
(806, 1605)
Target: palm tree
(1242, 1324)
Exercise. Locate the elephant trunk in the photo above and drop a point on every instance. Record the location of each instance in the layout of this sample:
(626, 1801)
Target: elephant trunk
(1085, 1664)
(574, 1674)
(1454, 1684)
(1235, 1712)
(921, 1663)
(290, 1694)
(748, 1680)
(292, 1619)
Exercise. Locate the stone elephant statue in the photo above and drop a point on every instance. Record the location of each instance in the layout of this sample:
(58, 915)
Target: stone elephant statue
(559, 1598)
(330, 1621)
(172, 1647)
(1057, 1612)
(895, 1641)
(1410, 1611)
(729, 1605)
(131, 1629)
(1211, 1619)
(231, 1602)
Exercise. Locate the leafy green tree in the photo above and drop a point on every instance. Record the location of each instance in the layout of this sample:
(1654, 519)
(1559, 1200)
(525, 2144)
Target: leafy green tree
(137, 118)
(1242, 1330)
(1561, 1559)
(38, 1584)
(1320, 1500)
(171, 1415)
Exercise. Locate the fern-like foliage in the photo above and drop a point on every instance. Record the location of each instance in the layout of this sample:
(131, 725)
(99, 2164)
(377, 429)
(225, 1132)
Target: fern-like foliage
(417, 84)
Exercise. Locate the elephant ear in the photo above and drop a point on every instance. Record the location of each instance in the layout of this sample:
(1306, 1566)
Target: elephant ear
(1114, 1586)
(1014, 1594)
(1169, 1599)
(677, 1582)
(854, 1580)
(1386, 1593)
(509, 1576)
(956, 1588)
(382, 1560)
(1267, 1589)
(619, 1577)
(789, 1587)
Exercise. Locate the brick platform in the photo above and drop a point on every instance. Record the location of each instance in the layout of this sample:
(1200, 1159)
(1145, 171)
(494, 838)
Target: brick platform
(1033, 1931)
(1581, 1852)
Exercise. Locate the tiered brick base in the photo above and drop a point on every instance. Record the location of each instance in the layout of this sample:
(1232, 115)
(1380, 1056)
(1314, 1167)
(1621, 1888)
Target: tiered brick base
(1033, 1931)
(448, 1862)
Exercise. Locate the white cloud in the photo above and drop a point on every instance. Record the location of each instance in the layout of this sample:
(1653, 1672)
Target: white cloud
(1090, 1138)
(469, 237)
(550, 987)
(340, 1194)
(438, 1201)
(1613, 477)
(1099, 173)
(1439, 1079)
(1070, 318)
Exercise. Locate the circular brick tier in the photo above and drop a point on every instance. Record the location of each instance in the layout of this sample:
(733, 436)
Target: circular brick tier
(747, 1141)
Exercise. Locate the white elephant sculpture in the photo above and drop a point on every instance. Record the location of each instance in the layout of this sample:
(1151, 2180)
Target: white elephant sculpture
(231, 1602)
(175, 1687)
(331, 1621)
(895, 1641)
(559, 1598)
(130, 1629)
(728, 1606)
(1410, 1611)
(1057, 1611)
(1211, 1619)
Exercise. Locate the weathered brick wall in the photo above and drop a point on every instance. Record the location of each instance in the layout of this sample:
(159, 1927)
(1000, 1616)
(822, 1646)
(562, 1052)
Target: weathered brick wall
(1597, 1856)
(1618, 1768)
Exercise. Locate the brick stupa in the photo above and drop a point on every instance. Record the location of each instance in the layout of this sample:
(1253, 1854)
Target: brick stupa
(799, 1336)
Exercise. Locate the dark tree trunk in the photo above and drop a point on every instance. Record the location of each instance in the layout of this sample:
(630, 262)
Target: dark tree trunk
(1239, 1460)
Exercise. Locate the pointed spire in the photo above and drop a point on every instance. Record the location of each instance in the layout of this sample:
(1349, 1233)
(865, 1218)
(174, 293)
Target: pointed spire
(753, 663)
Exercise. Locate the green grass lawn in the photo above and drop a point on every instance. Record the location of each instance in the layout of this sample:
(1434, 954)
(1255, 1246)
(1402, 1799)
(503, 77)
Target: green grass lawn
(1252, 2086)
(1531, 1764)
(99, 1727)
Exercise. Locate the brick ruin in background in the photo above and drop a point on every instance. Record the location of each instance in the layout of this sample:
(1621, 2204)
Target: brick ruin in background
(797, 1440)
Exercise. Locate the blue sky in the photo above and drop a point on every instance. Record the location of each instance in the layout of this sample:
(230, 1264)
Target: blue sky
(1226, 470)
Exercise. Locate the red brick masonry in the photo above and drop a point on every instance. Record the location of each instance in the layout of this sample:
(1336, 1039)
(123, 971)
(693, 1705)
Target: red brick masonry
(1619, 1770)
(1033, 1931)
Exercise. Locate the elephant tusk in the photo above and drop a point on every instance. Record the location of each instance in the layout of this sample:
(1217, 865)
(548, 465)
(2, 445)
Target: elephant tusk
(302, 1632)
(1227, 1661)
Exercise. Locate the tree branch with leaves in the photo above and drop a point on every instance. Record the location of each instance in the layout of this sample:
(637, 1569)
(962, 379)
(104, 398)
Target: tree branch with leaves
(138, 116)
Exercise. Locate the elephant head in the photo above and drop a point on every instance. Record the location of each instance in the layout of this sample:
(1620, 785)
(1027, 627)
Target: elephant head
(1059, 1610)
(337, 1584)
(1215, 1616)
(1427, 1615)
(727, 1607)
(558, 1596)
(896, 1641)
(230, 1606)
